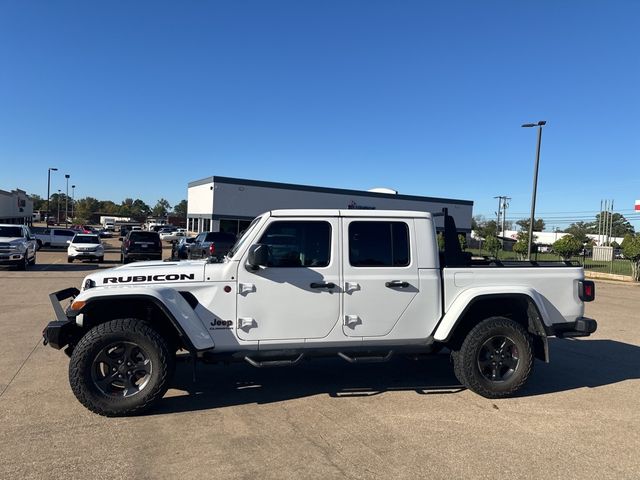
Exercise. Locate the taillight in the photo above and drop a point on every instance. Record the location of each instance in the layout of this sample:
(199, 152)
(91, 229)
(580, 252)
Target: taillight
(212, 249)
(586, 290)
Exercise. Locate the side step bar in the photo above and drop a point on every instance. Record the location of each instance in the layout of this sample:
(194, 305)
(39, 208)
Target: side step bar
(274, 363)
(365, 358)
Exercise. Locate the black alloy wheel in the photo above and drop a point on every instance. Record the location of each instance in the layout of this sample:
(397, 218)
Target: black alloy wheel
(121, 369)
(498, 358)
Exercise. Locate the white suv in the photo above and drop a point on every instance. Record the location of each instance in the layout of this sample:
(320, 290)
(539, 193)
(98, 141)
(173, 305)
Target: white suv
(85, 246)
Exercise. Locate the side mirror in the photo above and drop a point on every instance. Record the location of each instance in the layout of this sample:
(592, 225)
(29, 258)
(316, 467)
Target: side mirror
(258, 256)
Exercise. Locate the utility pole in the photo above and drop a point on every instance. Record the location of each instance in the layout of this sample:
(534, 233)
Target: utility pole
(502, 213)
(540, 124)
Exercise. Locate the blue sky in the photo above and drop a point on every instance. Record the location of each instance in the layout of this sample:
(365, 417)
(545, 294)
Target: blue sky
(136, 99)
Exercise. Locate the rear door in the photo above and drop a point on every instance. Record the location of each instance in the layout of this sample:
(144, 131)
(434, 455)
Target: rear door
(297, 295)
(380, 274)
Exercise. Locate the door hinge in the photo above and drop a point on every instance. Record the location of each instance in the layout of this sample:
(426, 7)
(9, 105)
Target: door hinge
(244, 288)
(352, 321)
(246, 323)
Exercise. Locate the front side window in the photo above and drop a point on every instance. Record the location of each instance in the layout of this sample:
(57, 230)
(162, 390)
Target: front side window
(298, 244)
(378, 244)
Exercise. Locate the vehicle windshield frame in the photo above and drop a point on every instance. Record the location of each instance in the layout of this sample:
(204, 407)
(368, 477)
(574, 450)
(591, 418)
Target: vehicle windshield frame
(243, 238)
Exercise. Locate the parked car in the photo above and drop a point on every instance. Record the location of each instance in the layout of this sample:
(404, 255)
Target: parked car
(180, 249)
(54, 237)
(17, 246)
(173, 235)
(85, 247)
(212, 245)
(140, 245)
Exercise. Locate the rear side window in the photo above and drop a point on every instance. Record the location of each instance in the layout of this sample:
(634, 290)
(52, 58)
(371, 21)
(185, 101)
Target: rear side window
(144, 237)
(378, 244)
(220, 237)
(298, 244)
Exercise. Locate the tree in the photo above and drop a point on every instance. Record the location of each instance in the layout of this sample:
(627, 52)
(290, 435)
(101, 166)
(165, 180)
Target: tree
(521, 245)
(567, 246)
(492, 245)
(631, 251)
(180, 209)
(538, 224)
(579, 230)
(463, 242)
(85, 207)
(162, 208)
(39, 203)
(484, 228)
(139, 209)
(620, 226)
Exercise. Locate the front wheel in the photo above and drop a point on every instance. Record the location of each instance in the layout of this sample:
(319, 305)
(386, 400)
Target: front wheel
(495, 359)
(120, 368)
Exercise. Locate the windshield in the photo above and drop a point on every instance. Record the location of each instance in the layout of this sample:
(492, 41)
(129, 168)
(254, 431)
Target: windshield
(86, 239)
(243, 237)
(10, 231)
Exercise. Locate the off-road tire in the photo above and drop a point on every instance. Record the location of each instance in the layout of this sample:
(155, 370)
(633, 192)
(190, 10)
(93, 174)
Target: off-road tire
(468, 359)
(100, 337)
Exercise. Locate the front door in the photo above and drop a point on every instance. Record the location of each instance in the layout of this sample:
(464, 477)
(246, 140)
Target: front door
(380, 274)
(297, 295)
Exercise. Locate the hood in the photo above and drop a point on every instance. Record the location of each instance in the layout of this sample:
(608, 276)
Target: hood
(11, 239)
(145, 273)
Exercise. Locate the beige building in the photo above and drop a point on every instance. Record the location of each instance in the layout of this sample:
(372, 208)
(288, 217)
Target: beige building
(15, 207)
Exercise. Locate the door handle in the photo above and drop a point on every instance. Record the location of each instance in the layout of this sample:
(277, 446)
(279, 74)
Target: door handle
(328, 285)
(396, 284)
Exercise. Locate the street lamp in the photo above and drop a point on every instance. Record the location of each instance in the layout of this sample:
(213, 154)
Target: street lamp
(540, 124)
(66, 201)
(49, 188)
(58, 202)
(73, 200)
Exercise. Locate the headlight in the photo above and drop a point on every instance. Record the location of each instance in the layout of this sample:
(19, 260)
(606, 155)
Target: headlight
(16, 246)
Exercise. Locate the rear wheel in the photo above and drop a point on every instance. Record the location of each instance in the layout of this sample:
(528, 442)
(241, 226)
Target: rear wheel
(120, 368)
(495, 359)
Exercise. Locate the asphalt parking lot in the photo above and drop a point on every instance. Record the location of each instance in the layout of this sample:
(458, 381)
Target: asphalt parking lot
(578, 417)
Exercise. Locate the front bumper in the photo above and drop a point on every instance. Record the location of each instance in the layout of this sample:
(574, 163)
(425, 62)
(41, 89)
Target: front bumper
(86, 255)
(582, 327)
(11, 258)
(62, 331)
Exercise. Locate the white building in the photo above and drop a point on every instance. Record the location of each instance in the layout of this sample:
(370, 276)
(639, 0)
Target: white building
(229, 204)
(16, 207)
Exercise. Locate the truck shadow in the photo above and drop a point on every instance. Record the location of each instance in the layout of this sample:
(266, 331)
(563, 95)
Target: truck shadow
(574, 364)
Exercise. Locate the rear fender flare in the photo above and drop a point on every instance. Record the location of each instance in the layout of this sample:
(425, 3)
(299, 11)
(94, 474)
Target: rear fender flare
(466, 299)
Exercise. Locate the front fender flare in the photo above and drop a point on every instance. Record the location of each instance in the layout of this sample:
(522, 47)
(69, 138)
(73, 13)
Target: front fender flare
(168, 300)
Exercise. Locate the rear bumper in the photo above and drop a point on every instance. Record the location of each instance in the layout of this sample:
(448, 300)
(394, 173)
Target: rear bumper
(582, 327)
(143, 256)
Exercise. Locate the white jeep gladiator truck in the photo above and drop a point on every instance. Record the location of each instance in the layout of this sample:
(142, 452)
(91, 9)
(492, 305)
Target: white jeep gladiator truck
(363, 285)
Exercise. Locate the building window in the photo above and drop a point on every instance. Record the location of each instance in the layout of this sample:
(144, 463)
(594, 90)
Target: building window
(228, 225)
(378, 244)
(206, 224)
(298, 244)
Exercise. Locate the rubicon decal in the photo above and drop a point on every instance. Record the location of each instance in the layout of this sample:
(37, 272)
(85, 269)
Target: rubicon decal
(171, 277)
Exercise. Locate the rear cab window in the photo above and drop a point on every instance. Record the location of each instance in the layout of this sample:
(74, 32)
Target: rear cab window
(379, 244)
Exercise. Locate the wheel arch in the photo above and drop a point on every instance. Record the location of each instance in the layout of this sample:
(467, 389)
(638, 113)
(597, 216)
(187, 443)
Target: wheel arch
(517, 306)
(156, 309)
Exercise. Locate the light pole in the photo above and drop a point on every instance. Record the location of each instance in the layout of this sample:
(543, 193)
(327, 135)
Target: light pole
(58, 202)
(49, 188)
(540, 124)
(66, 201)
(73, 201)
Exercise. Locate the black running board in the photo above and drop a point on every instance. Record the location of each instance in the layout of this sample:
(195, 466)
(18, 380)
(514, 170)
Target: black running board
(366, 358)
(274, 363)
